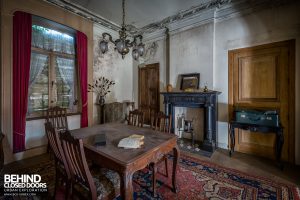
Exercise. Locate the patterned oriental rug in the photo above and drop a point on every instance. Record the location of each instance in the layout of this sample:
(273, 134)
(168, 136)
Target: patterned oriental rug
(196, 179)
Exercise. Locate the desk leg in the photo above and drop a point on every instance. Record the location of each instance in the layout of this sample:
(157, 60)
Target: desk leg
(126, 186)
(278, 148)
(232, 140)
(175, 164)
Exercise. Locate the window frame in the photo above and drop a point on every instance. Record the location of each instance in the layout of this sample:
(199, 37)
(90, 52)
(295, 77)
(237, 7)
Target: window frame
(51, 81)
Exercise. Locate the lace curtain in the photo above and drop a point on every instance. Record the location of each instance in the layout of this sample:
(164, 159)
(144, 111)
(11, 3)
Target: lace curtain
(66, 70)
(37, 64)
(52, 40)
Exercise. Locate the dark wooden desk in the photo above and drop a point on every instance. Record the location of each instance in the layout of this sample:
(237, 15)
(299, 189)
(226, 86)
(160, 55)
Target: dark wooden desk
(278, 130)
(128, 161)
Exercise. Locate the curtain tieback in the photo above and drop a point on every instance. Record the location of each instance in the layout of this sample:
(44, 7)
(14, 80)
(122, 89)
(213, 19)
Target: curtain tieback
(22, 134)
(85, 104)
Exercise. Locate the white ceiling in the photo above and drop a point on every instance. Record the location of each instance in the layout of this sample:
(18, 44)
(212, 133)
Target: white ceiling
(139, 13)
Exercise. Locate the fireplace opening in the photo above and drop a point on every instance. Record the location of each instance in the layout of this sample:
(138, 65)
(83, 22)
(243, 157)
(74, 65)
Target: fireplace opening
(196, 117)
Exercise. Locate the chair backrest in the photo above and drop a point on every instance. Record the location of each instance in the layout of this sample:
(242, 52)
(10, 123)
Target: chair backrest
(74, 151)
(56, 146)
(136, 118)
(1, 152)
(57, 116)
(162, 122)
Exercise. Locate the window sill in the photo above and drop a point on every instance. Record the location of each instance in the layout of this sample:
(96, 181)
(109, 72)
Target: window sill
(44, 117)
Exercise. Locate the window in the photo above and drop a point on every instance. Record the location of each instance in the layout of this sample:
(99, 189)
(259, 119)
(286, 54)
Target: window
(53, 75)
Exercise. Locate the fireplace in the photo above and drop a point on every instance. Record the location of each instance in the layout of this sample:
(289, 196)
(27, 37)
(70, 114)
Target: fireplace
(197, 99)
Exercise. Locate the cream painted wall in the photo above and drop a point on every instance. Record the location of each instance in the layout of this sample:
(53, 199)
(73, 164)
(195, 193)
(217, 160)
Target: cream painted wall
(33, 128)
(192, 51)
(204, 49)
(112, 66)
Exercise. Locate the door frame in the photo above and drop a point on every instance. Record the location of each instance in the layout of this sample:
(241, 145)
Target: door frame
(291, 87)
(149, 66)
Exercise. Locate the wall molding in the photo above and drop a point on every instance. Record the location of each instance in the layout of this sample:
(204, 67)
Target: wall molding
(215, 14)
(211, 11)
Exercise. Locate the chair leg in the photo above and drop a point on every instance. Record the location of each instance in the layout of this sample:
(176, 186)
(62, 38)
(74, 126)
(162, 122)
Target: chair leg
(154, 171)
(166, 166)
(56, 183)
(68, 186)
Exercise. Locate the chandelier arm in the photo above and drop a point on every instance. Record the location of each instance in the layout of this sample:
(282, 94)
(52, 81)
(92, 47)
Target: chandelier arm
(131, 44)
(140, 37)
(109, 37)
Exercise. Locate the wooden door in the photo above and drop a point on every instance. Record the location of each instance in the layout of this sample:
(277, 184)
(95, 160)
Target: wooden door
(262, 77)
(149, 90)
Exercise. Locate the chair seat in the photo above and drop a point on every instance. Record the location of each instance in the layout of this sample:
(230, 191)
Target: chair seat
(107, 184)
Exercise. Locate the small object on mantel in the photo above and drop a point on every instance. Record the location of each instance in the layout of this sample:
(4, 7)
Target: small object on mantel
(205, 89)
(189, 90)
(169, 88)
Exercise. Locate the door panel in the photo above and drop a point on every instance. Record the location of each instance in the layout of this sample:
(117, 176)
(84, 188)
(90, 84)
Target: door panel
(259, 78)
(254, 71)
(149, 91)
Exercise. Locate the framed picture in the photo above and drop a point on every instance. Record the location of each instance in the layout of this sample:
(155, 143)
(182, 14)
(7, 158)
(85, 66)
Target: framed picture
(190, 81)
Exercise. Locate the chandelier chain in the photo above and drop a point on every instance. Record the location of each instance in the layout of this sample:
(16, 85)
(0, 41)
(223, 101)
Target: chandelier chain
(122, 44)
(123, 6)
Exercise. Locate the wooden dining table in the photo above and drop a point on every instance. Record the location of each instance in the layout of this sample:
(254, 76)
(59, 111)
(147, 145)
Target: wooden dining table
(127, 161)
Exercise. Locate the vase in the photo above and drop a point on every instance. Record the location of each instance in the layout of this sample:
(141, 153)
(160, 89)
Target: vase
(101, 100)
(169, 88)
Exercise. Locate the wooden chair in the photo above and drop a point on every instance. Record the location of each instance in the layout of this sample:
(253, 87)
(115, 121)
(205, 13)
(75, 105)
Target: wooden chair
(102, 185)
(57, 116)
(61, 166)
(160, 123)
(1, 152)
(136, 118)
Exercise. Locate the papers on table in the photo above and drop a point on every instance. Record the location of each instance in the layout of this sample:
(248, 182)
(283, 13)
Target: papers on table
(132, 142)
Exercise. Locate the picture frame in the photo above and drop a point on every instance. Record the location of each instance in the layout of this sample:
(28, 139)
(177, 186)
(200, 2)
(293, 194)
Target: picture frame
(190, 81)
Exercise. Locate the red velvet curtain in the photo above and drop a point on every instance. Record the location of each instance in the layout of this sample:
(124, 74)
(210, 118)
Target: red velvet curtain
(21, 71)
(81, 50)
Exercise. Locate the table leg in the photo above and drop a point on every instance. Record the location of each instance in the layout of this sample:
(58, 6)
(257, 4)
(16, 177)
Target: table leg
(278, 148)
(175, 164)
(232, 140)
(154, 171)
(126, 186)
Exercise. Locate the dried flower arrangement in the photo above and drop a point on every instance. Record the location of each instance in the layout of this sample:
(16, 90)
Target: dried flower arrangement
(101, 87)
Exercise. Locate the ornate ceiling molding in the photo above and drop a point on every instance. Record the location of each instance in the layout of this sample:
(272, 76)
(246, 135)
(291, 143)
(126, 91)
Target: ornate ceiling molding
(85, 13)
(195, 16)
(193, 12)
(182, 15)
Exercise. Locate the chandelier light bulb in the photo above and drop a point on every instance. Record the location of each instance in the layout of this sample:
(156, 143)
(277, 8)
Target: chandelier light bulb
(135, 54)
(141, 49)
(103, 46)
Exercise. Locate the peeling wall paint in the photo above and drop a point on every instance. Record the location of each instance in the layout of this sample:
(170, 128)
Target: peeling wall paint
(112, 66)
(155, 53)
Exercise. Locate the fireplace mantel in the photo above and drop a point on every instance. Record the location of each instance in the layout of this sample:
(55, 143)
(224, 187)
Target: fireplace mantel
(197, 99)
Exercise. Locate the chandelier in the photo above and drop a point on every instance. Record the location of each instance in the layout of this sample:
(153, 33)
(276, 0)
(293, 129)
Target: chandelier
(122, 44)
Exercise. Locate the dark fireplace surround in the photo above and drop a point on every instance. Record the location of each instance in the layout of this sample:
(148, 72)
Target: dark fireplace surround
(198, 99)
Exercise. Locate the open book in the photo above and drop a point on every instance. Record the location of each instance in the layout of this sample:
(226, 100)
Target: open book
(132, 142)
